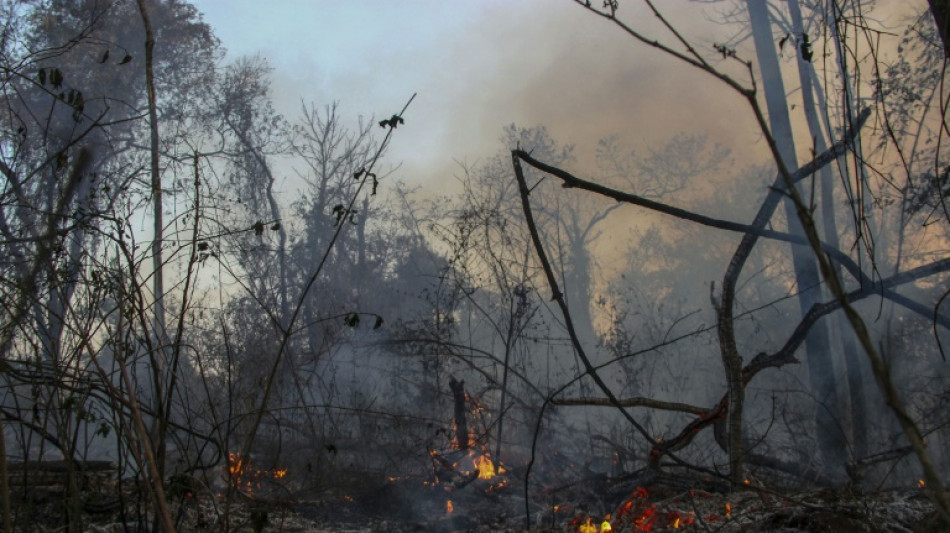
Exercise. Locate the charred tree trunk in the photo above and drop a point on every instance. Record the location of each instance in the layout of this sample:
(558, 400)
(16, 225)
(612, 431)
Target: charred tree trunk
(461, 422)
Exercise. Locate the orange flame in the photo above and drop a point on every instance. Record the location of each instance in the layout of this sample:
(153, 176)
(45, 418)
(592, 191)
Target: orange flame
(449, 507)
(235, 464)
(921, 483)
(728, 510)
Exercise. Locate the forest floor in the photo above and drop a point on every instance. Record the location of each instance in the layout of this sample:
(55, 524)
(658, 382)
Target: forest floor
(693, 511)
(404, 506)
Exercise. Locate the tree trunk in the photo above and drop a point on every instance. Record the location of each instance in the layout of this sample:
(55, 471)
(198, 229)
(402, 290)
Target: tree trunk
(852, 360)
(156, 460)
(821, 372)
(941, 13)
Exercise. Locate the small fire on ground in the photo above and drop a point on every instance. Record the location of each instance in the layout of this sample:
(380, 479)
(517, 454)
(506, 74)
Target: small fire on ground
(637, 513)
(247, 478)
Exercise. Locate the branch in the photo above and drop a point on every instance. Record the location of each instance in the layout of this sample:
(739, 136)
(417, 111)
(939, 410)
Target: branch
(638, 401)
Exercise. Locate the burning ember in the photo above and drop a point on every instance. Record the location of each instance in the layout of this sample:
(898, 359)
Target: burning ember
(449, 507)
(637, 513)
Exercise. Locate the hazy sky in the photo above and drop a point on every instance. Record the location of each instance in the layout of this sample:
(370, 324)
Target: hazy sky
(476, 66)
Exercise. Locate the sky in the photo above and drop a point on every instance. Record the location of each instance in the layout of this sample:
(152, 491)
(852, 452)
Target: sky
(476, 66)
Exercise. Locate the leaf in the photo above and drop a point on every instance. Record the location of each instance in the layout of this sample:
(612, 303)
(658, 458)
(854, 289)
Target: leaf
(258, 227)
(352, 320)
(41, 76)
(379, 322)
(105, 56)
(806, 48)
(125, 59)
(202, 246)
(275, 226)
(782, 41)
(339, 211)
(392, 122)
(56, 78)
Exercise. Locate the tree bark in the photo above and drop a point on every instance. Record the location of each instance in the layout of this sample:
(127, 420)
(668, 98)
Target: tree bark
(461, 419)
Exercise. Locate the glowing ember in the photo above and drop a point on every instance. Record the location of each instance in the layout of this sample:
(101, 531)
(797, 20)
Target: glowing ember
(637, 513)
(645, 521)
(728, 510)
(921, 483)
(449, 507)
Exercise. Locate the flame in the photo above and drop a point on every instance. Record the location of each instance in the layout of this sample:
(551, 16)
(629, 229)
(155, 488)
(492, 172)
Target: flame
(605, 525)
(921, 483)
(486, 469)
(236, 464)
(728, 510)
(449, 507)
(587, 527)
(676, 523)
(247, 478)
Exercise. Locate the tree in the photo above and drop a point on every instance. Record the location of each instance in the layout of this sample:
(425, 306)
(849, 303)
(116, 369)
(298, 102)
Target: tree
(941, 14)
(818, 343)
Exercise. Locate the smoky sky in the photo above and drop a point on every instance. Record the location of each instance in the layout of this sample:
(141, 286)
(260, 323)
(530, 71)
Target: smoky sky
(529, 63)
(480, 66)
